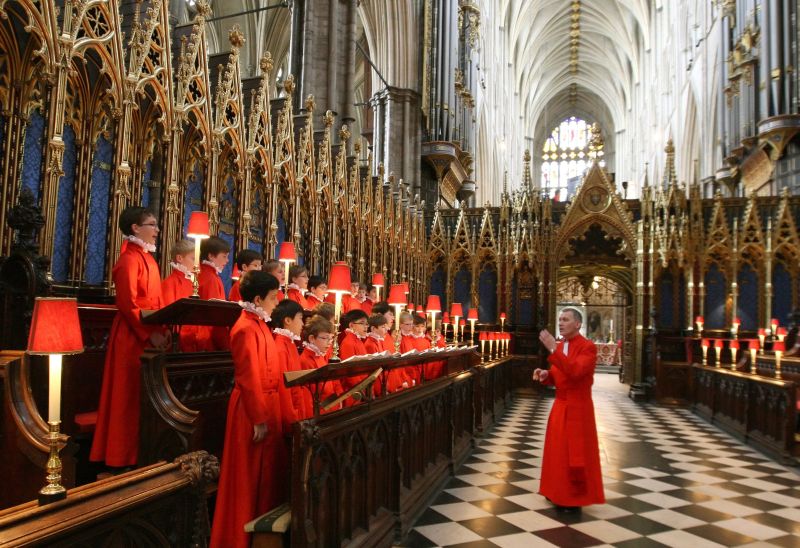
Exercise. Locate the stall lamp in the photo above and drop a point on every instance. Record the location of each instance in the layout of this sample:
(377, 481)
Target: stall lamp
(462, 323)
(482, 339)
(699, 322)
(734, 346)
(445, 323)
(472, 317)
(339, 284)
(502, 321)
(456, 311)
(719, 344)
(737, 322)
(753, 347)
(762, 337)
(705, 343)
(378, 282)
(55, 332)
(781, 333)
(397, 299)
(198, 230)
(433, 306)
(287, 256)
(779, 347)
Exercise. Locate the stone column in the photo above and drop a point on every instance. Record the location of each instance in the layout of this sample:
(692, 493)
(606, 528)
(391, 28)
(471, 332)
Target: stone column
(398, 135)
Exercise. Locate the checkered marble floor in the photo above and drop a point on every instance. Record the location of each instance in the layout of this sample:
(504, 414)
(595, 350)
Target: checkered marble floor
(670, 479)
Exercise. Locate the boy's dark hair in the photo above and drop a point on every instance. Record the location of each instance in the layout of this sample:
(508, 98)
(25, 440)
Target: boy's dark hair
(381, 307)
(353, 316)
(272, 266)
(326, 310)
(213, 246)
(377, 320)
(256, 284)
(286, 309)
(245, 257)
(418, 320)
(134, 215)
(315, 281)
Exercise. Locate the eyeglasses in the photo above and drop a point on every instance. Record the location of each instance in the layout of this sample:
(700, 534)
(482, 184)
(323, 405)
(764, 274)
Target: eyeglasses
(362, 322)
(154, 225)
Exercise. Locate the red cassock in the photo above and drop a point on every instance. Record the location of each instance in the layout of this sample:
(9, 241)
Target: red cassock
(397, 376)
(174, 287)
(309, 359)
(233, 295)
(312, 301)
(431, 369)
(138, 285)
(211, 338)
(351, 345)
(571, 473)
(367, 305)
(290, 358)
(253, 478)
(296, 294)
(407, 342)
(375, 346)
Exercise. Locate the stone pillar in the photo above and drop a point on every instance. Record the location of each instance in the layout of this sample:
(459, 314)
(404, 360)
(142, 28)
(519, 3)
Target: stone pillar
(322, 56)
(398, 134)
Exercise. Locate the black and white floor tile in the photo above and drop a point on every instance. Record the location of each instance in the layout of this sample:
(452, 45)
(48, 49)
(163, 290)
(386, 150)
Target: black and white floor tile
(670, 479)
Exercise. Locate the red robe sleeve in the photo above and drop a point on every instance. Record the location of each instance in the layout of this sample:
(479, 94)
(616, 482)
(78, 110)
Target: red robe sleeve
(126, 277)
(234, 295)
(296, 296)
(247, 365)
(580, 361)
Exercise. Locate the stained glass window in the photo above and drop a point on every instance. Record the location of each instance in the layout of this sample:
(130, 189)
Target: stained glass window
(565, 157)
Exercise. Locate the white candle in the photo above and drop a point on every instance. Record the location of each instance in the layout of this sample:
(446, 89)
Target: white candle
(54, 402)
(611, 325)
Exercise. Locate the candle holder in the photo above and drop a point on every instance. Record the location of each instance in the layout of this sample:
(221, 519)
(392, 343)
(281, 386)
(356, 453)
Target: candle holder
(378, 282)
(482, 339)
(735, 325)
(462, 325)
(704, 346)
(287, 256)
(779, 347)
(397, 299)
(734, 346)
(456, 311)
(339, 284)
(433, 306)
(753, 347)
(719, 344)
(773, 323)
(472, 317)
(699, 323)
(502, 321)
(762, 337)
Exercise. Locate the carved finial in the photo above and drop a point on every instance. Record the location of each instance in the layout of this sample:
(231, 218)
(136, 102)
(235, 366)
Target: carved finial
(328, 119)
(310, 103)
(596, 140)
(288, 84)
(344, 132)
(357, 148)
(203, 8)
(236, 37)
(266, 62)
(670, 148)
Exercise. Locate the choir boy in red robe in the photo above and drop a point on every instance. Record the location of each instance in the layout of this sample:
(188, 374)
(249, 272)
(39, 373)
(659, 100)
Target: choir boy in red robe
(214, 253)
(178, 285)
(318, 334)
(352, 342)
(277, 269)
(317, 289)
(138, 288)
(298, 284)
(370, 300)
(287, 321)
(571, 476)
(385, 310)
(422, 342)
(374, 343)
(246, 260)
(255, 460)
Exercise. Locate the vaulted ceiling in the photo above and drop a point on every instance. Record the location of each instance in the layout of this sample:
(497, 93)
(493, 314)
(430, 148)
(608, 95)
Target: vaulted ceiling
(575, 57)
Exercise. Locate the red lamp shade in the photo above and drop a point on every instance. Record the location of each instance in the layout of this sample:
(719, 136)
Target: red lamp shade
(779, 346)
(287, 253)
(734, 344)
(753, 344)
(699, 319)
(482, 336)
(472, 314)
(719, 343)
(706, 343)
(774, 322)
(456, 310)
(411, 307)
(420, 310)
(198, 225)
(339, 278)
(55, 328)
(762, 332)
(397, 297)
(377, 280)
(446, 317)
(434, 304)
(406, 290)
(781, 331)
(235, 273)
(502, 315)
(462, 322)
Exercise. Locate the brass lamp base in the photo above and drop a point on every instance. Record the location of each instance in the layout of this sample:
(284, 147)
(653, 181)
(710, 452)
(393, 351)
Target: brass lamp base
(53, 491)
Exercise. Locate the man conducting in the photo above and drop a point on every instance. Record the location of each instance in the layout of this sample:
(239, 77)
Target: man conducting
(571, 476)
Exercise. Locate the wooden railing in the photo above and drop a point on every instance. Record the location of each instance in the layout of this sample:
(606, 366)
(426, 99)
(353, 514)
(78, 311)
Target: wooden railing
(758, 409)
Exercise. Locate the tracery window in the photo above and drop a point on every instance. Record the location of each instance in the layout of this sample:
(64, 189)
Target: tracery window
(565, 157)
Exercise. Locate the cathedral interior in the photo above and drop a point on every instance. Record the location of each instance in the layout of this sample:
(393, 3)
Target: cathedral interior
(636, 160)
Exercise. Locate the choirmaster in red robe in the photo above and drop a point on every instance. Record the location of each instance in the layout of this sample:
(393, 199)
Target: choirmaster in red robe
(571, 473)
(138, 286)
(253, 478)
(178, 285)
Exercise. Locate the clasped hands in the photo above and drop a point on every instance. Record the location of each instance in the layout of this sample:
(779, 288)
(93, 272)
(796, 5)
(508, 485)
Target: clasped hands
(549, 342)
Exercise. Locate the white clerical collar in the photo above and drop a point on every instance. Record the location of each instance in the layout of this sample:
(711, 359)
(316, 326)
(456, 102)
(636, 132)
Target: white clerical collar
(148, 248)
(295, 286)
(418, 336)
(565, 349)
(180, 268)
(212, 265)
(256, 310)
(314, 348)
(361, 338)
(286, 333)
(376, 337)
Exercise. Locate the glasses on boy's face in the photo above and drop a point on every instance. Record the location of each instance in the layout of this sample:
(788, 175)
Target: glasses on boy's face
(154, 225)
(362, 322)
(324, 337)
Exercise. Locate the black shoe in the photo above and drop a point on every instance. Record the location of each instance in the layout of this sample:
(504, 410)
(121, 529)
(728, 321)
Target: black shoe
(568, 509)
